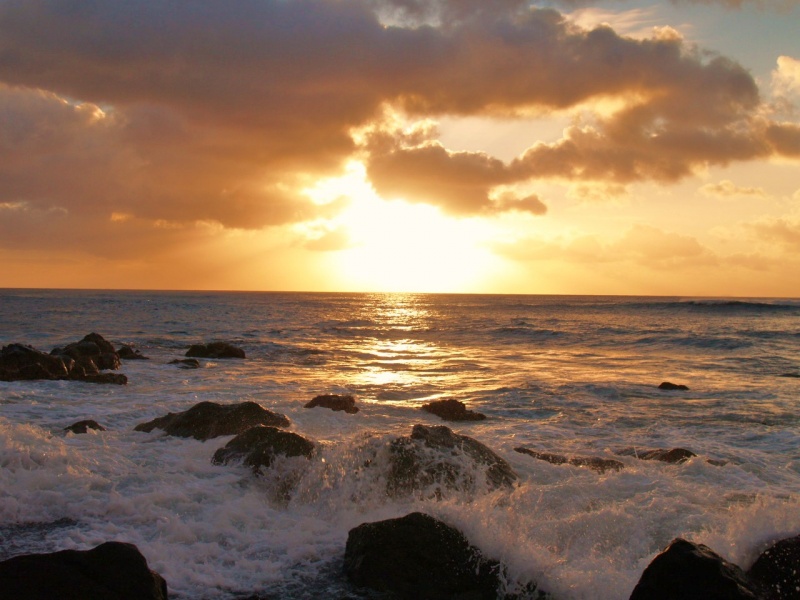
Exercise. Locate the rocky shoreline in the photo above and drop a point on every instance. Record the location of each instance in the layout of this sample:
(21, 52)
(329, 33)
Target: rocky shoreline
(414, 556)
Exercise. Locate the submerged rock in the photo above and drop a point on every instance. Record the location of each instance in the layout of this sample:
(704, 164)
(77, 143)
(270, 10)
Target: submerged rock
(777, 570)
(215, 350)
(435, 458)
(595, 463)
(84, 426)
(672, 455)
(209, 420)
(129, 353)
(689, 571)
(418, 556)
(111, 570)
(666, 385)
(186, 363)
(335, 402)
(259, 446)
(452, 410)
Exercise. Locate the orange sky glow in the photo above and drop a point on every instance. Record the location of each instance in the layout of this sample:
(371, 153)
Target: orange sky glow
(618, 147)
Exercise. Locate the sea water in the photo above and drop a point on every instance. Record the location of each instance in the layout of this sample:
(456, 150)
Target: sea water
(571, 375)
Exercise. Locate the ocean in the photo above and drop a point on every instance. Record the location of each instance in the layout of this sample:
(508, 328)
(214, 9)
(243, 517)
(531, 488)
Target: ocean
(572, 375)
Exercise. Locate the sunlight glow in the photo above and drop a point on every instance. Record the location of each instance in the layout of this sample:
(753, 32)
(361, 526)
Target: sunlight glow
(396, 246)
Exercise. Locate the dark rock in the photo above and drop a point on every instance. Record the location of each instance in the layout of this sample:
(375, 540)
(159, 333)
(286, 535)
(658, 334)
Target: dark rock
(186, 363)
(688, 571)
(790, 374)
(666, 385)
(452, 410)
(21, 362)
(209, 420)
(258, 446)
(673, 455)
(777, 570)
(419, 557)
(114, 378)
(129, 353)
(92, 348)
(84, 426)
(111, 571)
(434, 458)
(595, 463)
(215, 350)
(336, 402)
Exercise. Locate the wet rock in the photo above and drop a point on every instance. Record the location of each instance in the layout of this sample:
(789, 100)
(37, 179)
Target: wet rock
(689, 571)
(215, 350)
(19, 362)
(186, 363)
(452, 410)
(129, 353)
(259, 446)
(777, 570)
(93, 349)
(84, 426)
(790, 375)
(209, 420)
(666, 385)
(435, 458)
(672, 455)
(335, 402)
(418, 556)
(595, 463)
(111, 570)
(113, 378)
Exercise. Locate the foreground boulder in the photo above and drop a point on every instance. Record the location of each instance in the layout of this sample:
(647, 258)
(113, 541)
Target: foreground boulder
(19, 362)
(689, 571)
(418, 557)
(81, 361)
(186, 363)
(259, 446)
(215, 350)
(435, 458)
(85, 426)
(777, 570)
(111, 571)
(209, 420)
(335, 402)
(93, 353)
(595, 463)
(452, 410)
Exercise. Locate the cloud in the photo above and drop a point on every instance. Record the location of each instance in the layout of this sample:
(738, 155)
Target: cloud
(779, 231)
(786, 78)
(727, 189)
(210, 112)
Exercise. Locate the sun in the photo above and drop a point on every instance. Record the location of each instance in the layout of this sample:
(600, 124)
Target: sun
(397, 246)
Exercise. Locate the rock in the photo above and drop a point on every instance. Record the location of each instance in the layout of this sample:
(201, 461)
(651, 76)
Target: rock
(258, 446)
(334, 402)
(186, 363)
(689, 571)
(790, 375)
(129, 353)
(434, 458)
(209, 420)
(215, 350)
(452, 410)
(115, 378)
(673, 455)
(595, 463)
(777, 570)
(84, 426)
(20, 362)
(418, 556)
(666, 385)
(113, 570)
(93, 348)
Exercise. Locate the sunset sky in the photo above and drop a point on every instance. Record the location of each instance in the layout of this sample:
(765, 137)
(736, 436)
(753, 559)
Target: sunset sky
(510, 146)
